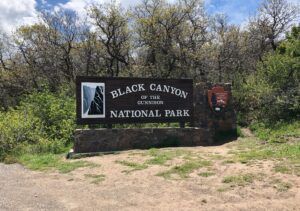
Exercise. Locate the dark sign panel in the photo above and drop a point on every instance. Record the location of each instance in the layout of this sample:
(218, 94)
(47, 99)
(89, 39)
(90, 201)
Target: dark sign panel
(217, 98)
(130, 100)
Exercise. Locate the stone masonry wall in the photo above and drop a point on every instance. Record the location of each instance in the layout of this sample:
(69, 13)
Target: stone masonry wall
(204, 117)
(103, 140)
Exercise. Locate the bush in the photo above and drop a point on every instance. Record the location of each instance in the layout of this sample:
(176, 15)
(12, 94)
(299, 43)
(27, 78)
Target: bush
(56, 112)
(43, 122)
(17, 127)
(273, 92)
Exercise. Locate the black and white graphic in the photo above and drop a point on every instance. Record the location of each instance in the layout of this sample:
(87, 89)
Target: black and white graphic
(92, 100)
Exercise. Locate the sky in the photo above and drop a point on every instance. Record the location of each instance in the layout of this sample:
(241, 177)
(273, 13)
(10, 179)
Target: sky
(14, 13)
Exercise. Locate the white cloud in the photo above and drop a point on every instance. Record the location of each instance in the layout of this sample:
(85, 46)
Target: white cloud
(14, 13)
(79, 6)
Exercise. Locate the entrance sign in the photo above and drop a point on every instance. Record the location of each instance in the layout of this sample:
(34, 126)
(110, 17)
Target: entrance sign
(130, 100)
(133, 100)
(217, 98)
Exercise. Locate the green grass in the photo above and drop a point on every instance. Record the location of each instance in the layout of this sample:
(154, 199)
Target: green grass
(287, 153)
(239, 132)
(228, 161)
(285, 150)
(223, 189)
(246, 143)
(134, 166)
(96, 178)
(43, 162)
(282, 169)
(206, 174)
(288, 168)
(239, 180)
(215, 156)
(278, 133)
(161, 156)
(281, 186)
(271, 151)
(137, 154)
(185, 169)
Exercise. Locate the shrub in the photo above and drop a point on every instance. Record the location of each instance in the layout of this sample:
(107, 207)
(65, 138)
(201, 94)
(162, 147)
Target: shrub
(273, 92)
(43, 122)
(17, 128)
(56, 112)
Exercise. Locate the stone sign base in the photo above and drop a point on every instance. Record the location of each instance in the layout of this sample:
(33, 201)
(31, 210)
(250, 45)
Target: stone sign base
(105, 140)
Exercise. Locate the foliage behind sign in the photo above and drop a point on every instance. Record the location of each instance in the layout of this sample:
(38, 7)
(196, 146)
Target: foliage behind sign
(130, 100)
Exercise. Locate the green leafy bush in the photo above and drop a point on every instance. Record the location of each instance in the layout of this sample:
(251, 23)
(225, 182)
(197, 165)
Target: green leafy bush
(18, 127)
(273, 92)
(57, 114)
(43, 122)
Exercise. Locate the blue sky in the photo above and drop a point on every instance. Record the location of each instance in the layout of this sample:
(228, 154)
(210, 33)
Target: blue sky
(16, 12)
(237, 11)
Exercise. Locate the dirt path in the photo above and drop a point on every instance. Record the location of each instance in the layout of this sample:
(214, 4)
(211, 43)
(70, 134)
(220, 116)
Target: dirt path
(116, 189)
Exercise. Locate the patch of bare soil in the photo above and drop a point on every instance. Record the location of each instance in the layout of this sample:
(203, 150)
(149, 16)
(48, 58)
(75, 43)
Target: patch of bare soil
(119, 185)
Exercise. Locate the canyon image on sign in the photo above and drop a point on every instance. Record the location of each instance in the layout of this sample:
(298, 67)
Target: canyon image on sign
(133, 100)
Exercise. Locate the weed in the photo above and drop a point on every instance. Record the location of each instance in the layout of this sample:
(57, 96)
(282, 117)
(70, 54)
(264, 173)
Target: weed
(97, 178)
(206, 174)
(9, 159)
(228, 161)
(185, 169)
(215, 156)
(66, 167)
(239, 180)
(137, 153)
(287, 168)
(223, 189)
(160, 157)
(277, 133)
(44, 162)
(289, 152)
(132, 165)
(240, 132)
(282, 169)
(281, 186)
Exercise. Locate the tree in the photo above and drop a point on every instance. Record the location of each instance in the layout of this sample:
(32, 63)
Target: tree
(90, 54)
(63, 30)
(274, 18)
(227, 58)
(48, 48)
(272, 93)
(169, 37)
(113, 33)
